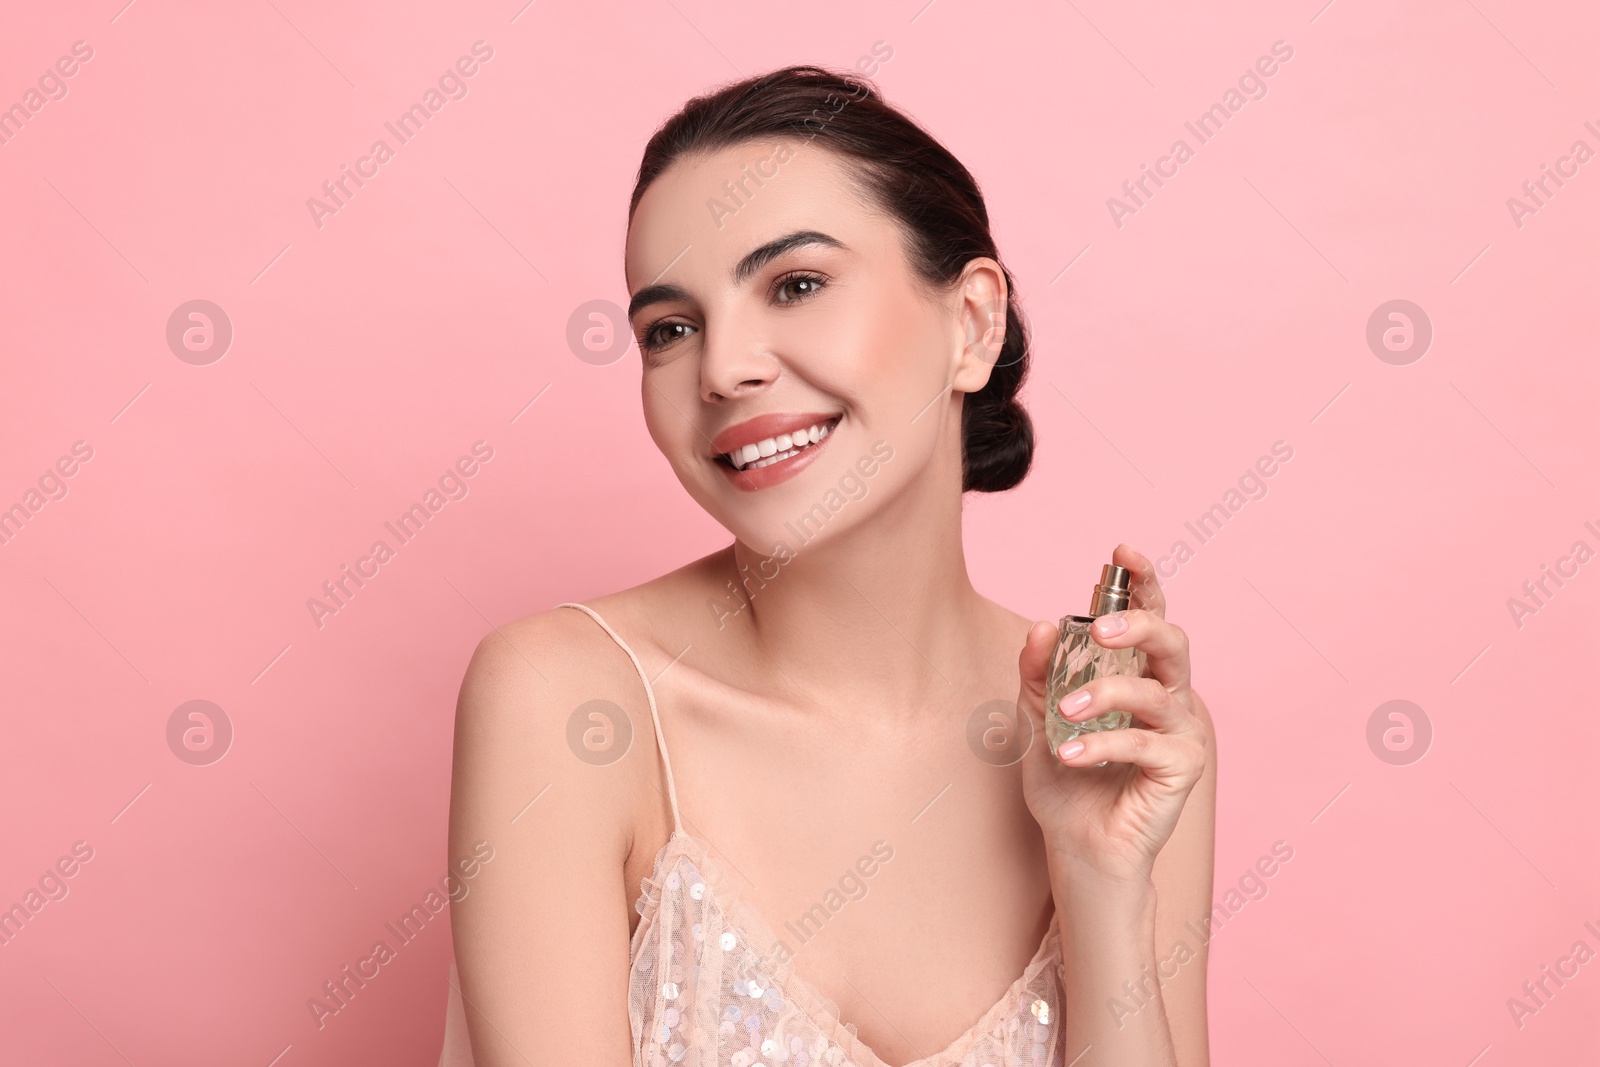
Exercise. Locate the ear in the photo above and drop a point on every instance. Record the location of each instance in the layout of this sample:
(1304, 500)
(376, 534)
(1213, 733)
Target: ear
(981, 313)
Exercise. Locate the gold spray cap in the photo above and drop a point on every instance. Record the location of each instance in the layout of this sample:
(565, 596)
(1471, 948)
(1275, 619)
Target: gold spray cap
(1112, 594)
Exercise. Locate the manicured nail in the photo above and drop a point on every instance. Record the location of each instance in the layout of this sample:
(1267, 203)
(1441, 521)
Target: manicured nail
(1112, 625)
(1069, 749)
(1076, 702)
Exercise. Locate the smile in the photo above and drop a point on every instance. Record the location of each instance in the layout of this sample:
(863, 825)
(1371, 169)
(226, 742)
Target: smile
(772, 450)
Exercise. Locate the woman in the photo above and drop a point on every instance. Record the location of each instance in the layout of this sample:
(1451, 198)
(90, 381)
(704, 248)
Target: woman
(771, 740)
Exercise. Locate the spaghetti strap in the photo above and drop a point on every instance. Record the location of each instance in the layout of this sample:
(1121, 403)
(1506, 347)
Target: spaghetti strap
(650, 694)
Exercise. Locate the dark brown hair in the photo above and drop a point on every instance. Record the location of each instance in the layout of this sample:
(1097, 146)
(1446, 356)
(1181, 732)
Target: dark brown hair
(910, 177)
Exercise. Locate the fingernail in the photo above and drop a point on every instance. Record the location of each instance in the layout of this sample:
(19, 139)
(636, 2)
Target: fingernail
(1111, 625)
(1076, 702)
(1069, 749)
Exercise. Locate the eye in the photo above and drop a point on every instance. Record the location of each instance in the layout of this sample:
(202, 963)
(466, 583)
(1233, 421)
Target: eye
(813, 281)
(651, 341)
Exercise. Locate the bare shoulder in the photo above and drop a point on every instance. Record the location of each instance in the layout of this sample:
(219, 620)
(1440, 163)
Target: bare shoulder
(521, 665)
(523, 673)
(524, 684)
(545, 779)
(551, 707)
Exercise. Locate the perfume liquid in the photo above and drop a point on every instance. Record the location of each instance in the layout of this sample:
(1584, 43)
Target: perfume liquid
(1078, 659)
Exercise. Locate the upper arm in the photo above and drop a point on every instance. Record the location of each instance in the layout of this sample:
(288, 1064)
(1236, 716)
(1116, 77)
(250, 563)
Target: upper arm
(542, 933)
(1183, 874)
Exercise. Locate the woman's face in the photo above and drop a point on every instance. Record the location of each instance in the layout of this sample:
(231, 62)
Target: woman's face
(770, 304)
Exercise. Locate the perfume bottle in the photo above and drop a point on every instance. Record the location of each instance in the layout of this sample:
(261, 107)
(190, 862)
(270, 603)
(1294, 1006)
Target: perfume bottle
(1078, 659)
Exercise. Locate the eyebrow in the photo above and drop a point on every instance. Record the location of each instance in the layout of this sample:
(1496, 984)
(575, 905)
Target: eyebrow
(752, 262)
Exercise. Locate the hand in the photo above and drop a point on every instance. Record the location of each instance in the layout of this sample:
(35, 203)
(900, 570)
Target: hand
(1108, 823)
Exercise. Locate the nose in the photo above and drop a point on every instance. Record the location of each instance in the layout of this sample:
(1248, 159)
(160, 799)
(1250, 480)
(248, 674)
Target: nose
(735, 359)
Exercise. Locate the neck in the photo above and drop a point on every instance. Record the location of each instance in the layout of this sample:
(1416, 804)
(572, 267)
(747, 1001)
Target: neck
(887, 605)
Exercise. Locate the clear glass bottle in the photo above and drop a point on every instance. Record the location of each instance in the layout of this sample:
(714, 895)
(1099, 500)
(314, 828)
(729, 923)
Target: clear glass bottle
(1078, 658)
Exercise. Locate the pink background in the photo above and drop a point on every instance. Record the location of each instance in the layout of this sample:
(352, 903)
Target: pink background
(1228, 313)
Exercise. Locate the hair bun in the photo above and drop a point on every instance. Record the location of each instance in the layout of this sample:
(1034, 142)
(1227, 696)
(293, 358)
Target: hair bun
(998, 443)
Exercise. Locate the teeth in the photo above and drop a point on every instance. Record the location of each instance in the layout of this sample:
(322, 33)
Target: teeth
(773, 449)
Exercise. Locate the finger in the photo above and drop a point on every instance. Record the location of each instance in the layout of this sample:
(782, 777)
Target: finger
(1165, 645)
(1153, 703)
(1033, 663)
(1162, 756)
(1143, 585)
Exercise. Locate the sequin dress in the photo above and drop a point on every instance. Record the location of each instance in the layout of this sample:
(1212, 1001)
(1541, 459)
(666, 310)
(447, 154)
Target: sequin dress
(707, 987)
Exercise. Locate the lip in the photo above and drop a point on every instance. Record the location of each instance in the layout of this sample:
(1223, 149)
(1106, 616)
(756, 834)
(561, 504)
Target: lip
(751, 481)
(764, 426)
